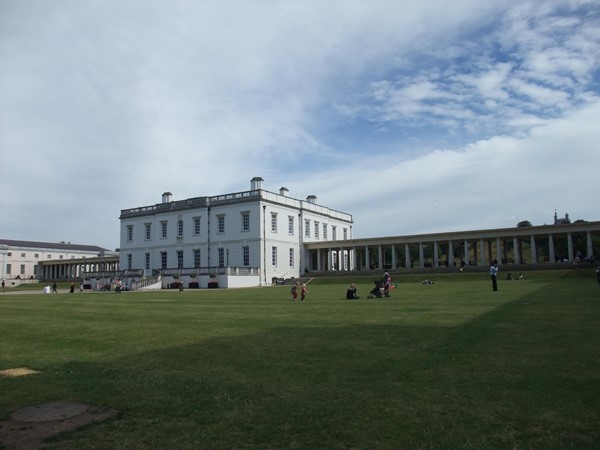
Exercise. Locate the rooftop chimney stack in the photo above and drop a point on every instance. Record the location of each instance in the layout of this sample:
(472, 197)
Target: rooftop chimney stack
(311, 199)
(166, 197)
(256, 183)
(284, 191)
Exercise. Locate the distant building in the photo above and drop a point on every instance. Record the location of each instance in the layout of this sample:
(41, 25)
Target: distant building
(564, 221)
(20, 259)
(254, 231)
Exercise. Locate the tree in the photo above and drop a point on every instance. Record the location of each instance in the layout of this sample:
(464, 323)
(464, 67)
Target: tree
(524, 223)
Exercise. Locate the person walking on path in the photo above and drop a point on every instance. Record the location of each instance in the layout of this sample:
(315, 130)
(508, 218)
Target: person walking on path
(494, 274)
(54, 291)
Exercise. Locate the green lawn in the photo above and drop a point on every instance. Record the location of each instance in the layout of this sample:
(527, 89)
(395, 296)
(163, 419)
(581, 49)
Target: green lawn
(452, 365)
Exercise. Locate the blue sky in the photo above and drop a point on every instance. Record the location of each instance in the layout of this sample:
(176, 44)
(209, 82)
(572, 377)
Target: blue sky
(415, 117)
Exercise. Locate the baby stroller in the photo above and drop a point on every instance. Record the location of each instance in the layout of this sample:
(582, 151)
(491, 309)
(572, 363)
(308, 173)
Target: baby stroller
(377, 291)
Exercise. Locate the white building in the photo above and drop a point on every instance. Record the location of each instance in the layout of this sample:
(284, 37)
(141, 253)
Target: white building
(20, 260)
(255, 232)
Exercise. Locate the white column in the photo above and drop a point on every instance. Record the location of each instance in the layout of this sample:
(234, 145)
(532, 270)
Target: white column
(466, 253)
(481, 253)
(551, 248)
(498, 251)
(450, 253)
(436, 257)
(380, 255)
(533, 251)
(516, 250)
(590, 249)
(421, 256)
(407, 256)
(570, 246)
(393, 256)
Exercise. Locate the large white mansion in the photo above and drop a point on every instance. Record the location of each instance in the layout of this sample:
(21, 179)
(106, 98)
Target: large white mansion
(255, 233)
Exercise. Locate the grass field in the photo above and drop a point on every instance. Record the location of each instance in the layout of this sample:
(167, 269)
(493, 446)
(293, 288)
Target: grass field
(452, 365)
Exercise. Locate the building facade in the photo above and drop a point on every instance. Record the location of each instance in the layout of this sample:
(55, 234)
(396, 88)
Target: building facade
(255, 231)
(22, 260)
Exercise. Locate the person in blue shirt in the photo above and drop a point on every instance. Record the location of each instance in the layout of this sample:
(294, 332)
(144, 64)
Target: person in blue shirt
(494, 274)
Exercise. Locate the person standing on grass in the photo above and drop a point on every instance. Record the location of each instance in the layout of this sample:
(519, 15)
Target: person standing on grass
(294, 291)
(494, 274)
(303, 292)
(3, 285)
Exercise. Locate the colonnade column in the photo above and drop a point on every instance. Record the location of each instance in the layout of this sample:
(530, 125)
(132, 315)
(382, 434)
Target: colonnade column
(435, 254)
(590, 248)
(394, 257)
(481, 261)
(450, 257)
(380, 257)
(421, 256)
(498, 250)
(551, 248)
(570, 246)
(516, 250)
(533, 251)
(466, 251)
(407, 256)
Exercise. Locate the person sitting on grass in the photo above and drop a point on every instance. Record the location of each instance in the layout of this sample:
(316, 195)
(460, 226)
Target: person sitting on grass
(352, 293)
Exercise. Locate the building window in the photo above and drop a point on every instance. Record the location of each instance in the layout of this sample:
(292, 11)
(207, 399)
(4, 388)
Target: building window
(61, 256)
(291, 225)
(8, 253)
(147, 261)
(325, 231)
(129, 261)
(345, 233)
(37, 255)
(180, 228)
(274, 256)
(291, 257)
(334, 233)
(316, 230)
(22, 269)
(196, 258)
(148, 234)
(8, 269)
(196, 226)
(245, 221)
(163, 227)
(129, 233)
(49, 256)
(221, 224)
(246, 255)
(180, 259)
(221, 257)
(23, 255)
(307, 228)
(274, 222)
(163, 260)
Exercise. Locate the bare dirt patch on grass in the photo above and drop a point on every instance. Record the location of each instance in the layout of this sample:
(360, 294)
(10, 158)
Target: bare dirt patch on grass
(29, 427)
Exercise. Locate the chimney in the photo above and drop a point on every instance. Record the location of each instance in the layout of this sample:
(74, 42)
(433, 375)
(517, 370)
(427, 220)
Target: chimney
(166, 197)
(311, 199)
(284, 191)
(256, 183)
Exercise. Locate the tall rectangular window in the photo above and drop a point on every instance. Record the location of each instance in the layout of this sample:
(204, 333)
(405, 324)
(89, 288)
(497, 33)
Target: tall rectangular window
(180, 259)
(221, 257)
(316, 230)
(274, 222)
(345, 233)
(148, 234)
(129, 233)
(129, 261)
(245, 221)
(8, 269)
(334, 233)
(274, 256)
(221, 224)
(196, 226)
(291, 225)
(163, 227)
(307, 228)
(22, 269)
(163, 260)
(180, 228)
(325, 231)
(246, 255)
(291, 257)
(147, 257)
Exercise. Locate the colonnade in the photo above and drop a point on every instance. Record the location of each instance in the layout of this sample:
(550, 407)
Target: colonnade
(77, 268)
(548, 244)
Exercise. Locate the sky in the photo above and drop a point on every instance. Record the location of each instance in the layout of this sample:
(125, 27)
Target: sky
(414, 117)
